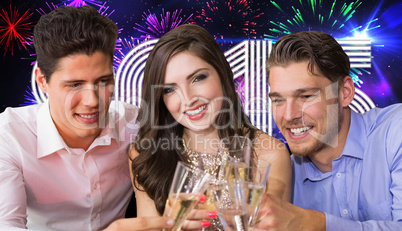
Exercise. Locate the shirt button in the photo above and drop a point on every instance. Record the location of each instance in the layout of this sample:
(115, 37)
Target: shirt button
(338, 175)
(94, 216)
(95, 186)
(345, 211)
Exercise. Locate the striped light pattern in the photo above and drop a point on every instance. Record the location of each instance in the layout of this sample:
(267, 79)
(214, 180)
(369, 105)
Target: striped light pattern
(248, 59)
(361, 102)
(359, 52)
(129, 75)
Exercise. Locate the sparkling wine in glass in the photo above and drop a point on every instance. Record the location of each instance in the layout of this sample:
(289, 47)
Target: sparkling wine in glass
(230, 202)
(255, 180)
(188, 183)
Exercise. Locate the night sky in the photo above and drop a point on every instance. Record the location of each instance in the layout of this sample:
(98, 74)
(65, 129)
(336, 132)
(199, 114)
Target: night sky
(229, 22)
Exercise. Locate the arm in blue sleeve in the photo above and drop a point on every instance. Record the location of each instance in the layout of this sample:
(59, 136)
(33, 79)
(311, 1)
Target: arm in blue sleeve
(394, 155)
(335, 223)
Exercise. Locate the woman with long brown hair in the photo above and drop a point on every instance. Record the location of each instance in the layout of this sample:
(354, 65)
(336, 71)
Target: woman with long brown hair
(189, 104)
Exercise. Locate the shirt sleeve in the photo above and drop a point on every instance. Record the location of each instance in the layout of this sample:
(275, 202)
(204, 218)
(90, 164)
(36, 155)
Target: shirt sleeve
(335, 223)
(13, 214)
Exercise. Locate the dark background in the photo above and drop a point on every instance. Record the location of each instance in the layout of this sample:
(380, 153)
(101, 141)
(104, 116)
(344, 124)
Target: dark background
(230, 22)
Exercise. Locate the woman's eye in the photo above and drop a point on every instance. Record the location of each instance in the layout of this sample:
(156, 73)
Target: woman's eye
(168, 90)
(199, 77)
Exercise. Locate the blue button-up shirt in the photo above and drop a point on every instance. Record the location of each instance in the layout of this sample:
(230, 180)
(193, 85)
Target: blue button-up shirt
(364, 189)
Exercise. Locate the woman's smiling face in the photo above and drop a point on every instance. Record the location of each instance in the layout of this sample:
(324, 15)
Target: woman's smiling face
(192, 92)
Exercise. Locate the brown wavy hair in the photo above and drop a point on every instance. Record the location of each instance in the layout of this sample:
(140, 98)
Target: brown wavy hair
(321, 50)
(154, 167)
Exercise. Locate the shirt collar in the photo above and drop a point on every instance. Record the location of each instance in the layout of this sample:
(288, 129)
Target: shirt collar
(49, 139)
(310, 171)
(355, 145)
(107, 134)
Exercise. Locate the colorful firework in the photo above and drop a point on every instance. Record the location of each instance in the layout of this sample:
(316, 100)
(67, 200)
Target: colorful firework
(31, 51)
(14, 27)
(29, 98)
(123, 46)
(312, 14)
(331, 17)
(156, 28)
(231, 17)
(78, 3)
(239, 87)
(103, 10)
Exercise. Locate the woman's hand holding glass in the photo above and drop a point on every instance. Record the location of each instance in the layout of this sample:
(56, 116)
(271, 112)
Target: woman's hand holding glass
(187, 186)
(200, 216)
(247, 171)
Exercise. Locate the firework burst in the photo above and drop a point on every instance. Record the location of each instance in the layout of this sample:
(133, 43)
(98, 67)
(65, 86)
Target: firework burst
(123, 46)
(231, 17)
(103, 10)
(331, 17)
(14, 27)
(239, 87)
(29, 98)
(78, 3)
(312, 14)
(156, 28)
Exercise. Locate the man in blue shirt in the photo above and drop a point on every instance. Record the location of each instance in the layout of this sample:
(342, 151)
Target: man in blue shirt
(347, 166)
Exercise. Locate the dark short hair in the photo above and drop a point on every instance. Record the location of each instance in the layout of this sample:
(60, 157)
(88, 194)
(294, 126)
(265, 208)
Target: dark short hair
(321, 50)
(72, 30)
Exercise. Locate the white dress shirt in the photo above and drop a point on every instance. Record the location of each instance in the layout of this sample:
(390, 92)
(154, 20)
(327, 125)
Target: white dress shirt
(45, 185)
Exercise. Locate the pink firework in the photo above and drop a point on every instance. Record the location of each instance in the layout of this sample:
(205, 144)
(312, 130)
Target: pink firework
(230, 17)
(103, 10)
(78, 3)
(14, 28)
(156, 28)
(123, 46)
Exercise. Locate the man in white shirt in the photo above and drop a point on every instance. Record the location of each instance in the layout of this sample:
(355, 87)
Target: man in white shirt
(64, 163)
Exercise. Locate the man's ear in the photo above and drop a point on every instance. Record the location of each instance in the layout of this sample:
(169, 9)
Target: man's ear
(347, 91)
(40, 80)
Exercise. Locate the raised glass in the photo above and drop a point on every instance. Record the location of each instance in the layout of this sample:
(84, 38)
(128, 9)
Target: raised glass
(187, 185)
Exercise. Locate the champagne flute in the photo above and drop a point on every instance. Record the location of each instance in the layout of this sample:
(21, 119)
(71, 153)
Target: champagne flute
(253, 171)
(188, 183)
(230, 202)
(255, 180)
(213, 164)
(238, 148)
